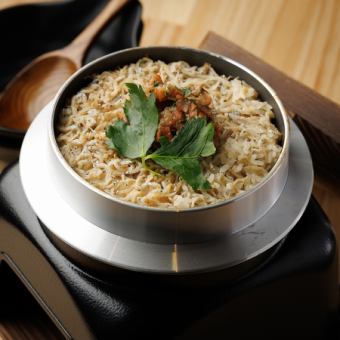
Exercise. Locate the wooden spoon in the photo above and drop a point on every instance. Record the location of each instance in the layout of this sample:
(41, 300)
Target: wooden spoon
(37, 83)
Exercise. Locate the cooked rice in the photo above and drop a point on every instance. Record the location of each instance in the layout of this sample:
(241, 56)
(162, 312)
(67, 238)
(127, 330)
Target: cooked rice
(250, 150)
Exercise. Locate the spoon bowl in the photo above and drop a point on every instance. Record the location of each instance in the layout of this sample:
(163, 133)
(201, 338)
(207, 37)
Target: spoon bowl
(33, 88)
(36, 84)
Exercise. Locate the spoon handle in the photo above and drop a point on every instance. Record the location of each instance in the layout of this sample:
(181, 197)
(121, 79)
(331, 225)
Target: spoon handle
(77, 48)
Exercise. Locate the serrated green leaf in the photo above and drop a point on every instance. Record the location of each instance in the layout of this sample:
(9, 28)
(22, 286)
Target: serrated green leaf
(209, 147)
(163, 141)
(186, 92)
(182, 155)
(134, 139)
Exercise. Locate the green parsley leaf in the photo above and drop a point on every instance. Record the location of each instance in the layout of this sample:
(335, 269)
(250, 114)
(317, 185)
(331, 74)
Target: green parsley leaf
(182, 155)
(186, 92)
(134, 139)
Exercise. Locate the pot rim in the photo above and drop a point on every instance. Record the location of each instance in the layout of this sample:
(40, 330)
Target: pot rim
(82, 181)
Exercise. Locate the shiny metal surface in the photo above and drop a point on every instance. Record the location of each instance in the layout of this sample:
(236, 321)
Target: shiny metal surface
(163, 225)
(87, 238)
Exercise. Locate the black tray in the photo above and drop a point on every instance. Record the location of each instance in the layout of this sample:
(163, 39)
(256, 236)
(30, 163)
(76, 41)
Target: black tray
(30, 30)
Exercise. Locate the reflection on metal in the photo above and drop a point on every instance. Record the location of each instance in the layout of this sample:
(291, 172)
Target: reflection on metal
(174, 259)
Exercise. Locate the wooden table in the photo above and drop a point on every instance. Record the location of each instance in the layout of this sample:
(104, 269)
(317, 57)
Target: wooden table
(299, 37)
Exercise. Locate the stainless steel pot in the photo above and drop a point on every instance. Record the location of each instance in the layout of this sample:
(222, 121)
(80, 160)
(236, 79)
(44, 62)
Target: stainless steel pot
(155, 225)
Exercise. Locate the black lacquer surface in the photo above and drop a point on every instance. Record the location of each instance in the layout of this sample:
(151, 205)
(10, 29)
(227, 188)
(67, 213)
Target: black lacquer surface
(293, 296)
(31, 30)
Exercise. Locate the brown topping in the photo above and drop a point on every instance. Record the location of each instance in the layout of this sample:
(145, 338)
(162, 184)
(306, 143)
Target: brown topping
(176, 108)
(163, 131)
(160, 94)
(174, 93)
(192, 110)
(156, 80)
(178, 116)
(171, 120)
(204, 99)
(183, 105)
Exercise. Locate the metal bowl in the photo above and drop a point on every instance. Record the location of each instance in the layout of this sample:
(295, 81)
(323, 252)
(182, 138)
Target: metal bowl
(155, 225)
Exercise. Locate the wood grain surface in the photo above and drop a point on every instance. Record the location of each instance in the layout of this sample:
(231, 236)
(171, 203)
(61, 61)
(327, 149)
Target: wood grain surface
(299, 37)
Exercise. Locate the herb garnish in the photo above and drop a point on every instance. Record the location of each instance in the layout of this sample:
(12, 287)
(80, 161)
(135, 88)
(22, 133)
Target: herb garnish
(181, 155)
(133, 140)
(186, 92)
